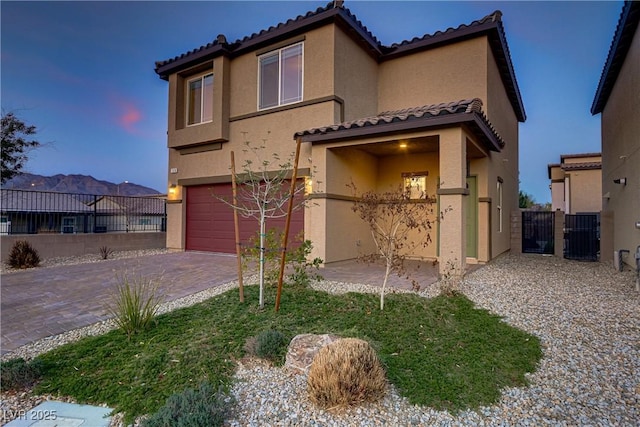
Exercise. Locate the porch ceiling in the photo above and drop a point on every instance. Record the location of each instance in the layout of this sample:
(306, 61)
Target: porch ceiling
(424, 144)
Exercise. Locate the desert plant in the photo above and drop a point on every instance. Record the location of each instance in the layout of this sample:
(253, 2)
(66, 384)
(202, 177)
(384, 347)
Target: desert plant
(105, 252)
(304, 270)
(399, 224)
(135, 303)
(202, 407)
(270, 344)
(344, 373)
(18, 373)
(23, 255)
(450, 280)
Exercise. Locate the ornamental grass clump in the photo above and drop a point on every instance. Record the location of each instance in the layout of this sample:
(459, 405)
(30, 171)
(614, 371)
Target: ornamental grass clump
(135, 304)
(23, 255)
(345, 373)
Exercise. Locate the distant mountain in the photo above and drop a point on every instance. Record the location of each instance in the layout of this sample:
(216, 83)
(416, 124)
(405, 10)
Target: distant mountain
(83, 184)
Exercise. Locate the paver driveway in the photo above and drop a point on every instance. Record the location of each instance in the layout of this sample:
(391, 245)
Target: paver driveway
(41, 302)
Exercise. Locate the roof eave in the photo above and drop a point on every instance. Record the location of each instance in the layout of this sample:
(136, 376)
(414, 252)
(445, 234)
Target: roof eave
(273, 35)
(397, 127)
(190, 59)
(622, 39)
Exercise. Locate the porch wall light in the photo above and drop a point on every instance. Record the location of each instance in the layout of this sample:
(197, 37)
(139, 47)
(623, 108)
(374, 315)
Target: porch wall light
(622, 181)
(403, 145)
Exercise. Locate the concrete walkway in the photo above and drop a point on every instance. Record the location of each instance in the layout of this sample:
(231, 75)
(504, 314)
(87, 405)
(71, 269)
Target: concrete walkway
(41, 302)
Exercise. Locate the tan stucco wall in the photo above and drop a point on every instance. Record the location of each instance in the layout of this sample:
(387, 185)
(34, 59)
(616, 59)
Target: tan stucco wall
(57, 245)
(557, 196)
(586, 191)
(356, 78)
(444, 74)
(621, 154)
(498, 108)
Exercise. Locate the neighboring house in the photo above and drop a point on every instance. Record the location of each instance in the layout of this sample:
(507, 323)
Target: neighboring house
(576, 183)
(30, 212)
(617, 99)
(441, 110)
(119, 213)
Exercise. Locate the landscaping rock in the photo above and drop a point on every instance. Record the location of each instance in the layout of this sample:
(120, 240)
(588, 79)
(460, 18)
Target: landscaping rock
(303, 348)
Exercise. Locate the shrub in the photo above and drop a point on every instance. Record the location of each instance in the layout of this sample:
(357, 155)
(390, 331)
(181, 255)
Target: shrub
(17, 373)
(270, 345)
(203, 407)
(303, 269)
(135, 304)
(298, 265)
(23, 255)
(105, 252)
(344, 373)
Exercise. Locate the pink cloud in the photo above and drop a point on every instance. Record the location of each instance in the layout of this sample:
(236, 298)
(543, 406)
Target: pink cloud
(129, 117)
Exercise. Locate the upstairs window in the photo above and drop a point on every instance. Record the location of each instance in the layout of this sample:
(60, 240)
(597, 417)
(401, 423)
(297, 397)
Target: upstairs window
(280, 77)
(200, 99)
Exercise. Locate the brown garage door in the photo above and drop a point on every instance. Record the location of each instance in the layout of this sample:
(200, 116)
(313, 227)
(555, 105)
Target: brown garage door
(210, 221)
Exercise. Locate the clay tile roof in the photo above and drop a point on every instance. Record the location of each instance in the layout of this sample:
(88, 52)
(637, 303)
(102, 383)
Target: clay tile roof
(416, 117)
(581, 166)
(490, 25)
(627, 26)
(494, 17)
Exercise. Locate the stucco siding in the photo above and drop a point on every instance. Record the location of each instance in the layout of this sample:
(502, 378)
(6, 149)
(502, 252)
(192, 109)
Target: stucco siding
(444, 74)
(356, 78)
(586, 191)
(621, 154)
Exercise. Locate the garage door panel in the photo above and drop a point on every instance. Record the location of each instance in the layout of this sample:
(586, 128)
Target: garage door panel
(210, 226)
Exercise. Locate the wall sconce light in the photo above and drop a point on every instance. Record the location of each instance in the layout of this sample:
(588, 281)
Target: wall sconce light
(174, 192)
(308, 186)
(622, 181)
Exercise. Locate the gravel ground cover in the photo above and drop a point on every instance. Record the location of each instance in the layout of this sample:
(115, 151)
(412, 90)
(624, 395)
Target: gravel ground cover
(586, 315)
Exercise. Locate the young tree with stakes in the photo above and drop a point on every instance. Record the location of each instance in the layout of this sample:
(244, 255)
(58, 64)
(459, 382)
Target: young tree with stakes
(263, 193)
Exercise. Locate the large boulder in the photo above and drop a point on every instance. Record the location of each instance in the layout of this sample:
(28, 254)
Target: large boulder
(303, 348)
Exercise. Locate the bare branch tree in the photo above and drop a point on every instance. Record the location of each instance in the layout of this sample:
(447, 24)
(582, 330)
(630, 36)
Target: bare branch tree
(399, 226)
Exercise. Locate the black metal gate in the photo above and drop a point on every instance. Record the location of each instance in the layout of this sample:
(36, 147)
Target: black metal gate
(537, 232)
(581, 237)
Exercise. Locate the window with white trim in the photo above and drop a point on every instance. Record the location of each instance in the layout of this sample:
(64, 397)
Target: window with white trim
(499, 204)
(280, 77)
(200, 99)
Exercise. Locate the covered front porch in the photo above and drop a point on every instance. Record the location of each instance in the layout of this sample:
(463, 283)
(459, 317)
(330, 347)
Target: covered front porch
(448, 161)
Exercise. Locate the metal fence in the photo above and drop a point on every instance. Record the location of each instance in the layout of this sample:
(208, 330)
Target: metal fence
(537, 232)
(31, 212)
(582, 237)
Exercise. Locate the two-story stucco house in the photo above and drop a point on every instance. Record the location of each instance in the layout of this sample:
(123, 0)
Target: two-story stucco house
(617, 100)
(442, 109)
(576, 183)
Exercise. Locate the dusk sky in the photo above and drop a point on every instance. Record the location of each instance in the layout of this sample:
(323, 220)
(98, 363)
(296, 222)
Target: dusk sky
(83, 72)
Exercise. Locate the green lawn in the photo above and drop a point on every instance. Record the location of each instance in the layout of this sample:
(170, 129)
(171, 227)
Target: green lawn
(442, 352)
